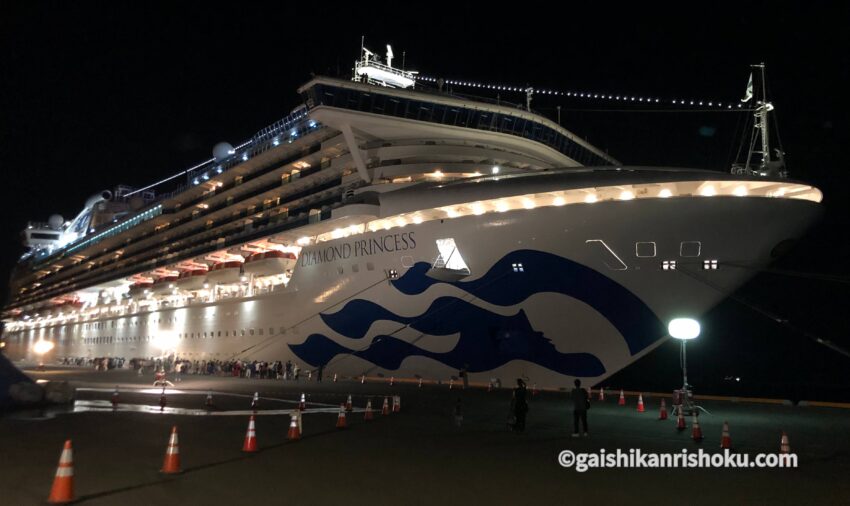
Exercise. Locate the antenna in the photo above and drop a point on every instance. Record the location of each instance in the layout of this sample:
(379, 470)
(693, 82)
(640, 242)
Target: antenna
(390, 56)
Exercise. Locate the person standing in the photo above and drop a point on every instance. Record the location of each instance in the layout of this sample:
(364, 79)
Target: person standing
(519, 403)
(580, 404)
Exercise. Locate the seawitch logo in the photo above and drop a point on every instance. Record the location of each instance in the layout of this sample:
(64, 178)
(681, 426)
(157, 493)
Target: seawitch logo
(388, 243)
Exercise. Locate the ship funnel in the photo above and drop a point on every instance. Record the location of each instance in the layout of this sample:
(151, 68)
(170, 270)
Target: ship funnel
(97, 197)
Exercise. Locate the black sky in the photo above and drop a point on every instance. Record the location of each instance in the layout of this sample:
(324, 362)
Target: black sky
(99, 94)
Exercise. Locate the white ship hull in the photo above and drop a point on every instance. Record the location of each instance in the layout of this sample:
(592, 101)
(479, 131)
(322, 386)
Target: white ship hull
(544, 298)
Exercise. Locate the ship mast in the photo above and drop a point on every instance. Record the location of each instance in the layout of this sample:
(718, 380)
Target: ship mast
(766, 165)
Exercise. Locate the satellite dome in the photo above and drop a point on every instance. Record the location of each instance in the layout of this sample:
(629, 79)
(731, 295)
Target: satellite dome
(222, 150)
(55, 221)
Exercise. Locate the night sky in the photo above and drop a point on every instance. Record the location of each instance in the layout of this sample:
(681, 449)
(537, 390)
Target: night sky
(93, 96)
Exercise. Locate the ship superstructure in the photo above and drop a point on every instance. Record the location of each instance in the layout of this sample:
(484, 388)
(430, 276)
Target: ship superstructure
(384, 228)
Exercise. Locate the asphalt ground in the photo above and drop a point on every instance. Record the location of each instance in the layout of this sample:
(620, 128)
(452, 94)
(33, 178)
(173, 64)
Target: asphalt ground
(418, 456)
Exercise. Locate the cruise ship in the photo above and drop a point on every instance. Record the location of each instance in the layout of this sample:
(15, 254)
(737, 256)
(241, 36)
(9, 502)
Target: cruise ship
(385, 228)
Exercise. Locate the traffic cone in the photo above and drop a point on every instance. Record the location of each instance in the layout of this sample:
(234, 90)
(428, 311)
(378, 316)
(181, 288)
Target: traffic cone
(662, 415)
(725, 438)
(115, 398)
(640, 406)
(171, 464)
(208, 402)
(392, 380)
(622, 401)
(340, 420)
(348, 405)
(784, 445)
(601, 393)
(62, 491)
(696, 431)
(162, 400)
(334, 377)
(680, 421)
(255, 402)
(451, 383)
(294, 433)
(250, 444)
(385, 410)
(396, 403)
(303, 404)
(368, 414)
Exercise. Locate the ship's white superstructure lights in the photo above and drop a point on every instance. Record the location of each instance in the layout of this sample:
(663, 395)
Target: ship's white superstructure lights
(495, 169)
(708, 191)
(740, 191)
(41, 346)
(437, 173)
(626, 195)
(559, 201)
(665, 193)
(303, 241)
(502, 206)
(417, 219)
(478, 208)
(337, 233)
(528, 204)
(683, 328)
(590, 198)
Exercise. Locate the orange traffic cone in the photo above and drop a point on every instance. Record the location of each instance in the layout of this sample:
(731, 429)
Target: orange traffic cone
(368, 414)
(601, 393)
(250, 444)
(255, 402)
(162, 400)
(622, 401)
(62, 490)
(640, 406)
(303, 404)
(725, 439)
(662, 415)
(696, 431)
(392, 380)
(115, 398)
(680, 420)
(385, 410)
(784, 445)
(340, 420)
(396, 403)
(294, 433)
(348, 405)
(171, 464)
(208, 402)
(334, 377)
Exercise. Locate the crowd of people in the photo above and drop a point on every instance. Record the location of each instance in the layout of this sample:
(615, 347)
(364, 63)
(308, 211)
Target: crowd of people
(256, 369)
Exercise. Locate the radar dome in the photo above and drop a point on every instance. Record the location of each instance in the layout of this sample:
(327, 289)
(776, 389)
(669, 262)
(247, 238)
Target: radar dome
(222, 150)
(55, 221)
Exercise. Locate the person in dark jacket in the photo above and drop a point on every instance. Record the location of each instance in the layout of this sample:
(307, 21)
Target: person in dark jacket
(520, 405)
(580, 405)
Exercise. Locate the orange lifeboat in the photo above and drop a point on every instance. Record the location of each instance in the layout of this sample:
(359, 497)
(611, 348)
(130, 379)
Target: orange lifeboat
(137, 290)
(224, 272)
(193, 279)
(269, 263)
(164, 284)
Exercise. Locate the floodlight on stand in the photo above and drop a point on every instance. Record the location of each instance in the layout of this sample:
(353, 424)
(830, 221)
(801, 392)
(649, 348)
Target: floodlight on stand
(685, 329)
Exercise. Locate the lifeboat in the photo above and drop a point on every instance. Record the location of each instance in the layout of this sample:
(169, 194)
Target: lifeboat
(223, 273)
(269, 263)
(137, 290)
(192, 280)
(164, 284)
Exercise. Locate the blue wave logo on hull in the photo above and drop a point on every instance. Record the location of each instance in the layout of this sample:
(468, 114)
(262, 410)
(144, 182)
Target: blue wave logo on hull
(488, 340)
